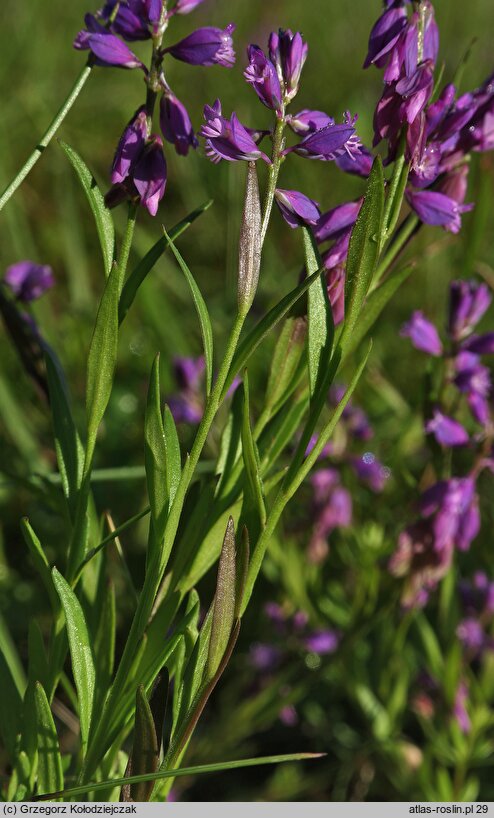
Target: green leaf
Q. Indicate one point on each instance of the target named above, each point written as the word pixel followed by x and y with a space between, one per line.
pixel 250 244
pixel 264 326
pixel 202 313
pixel 374 305
pixel 253 491
pixel 285 369
pixel 70 454
pixel 10 706
pixel 320 333
pixel 224 602
pixel 173 458
pixel 50 773
pixel 104 643
pixel 195 668
pixel 138 275
pixel 80 652
pixel 40 561
pixel 155 454
pixel 145 752
pixel 241 570
pixel 38 662
pixel 230 445
pixel 200 770
pixel 280 432
pixel 363 251
pixel 102 357
pixel 104 221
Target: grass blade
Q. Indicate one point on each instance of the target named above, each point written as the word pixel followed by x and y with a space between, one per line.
pixel 50 773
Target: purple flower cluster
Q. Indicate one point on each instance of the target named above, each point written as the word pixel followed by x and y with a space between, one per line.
pixel 449 510
pixel 27 280
pixel 139 170
pixel 438 135
pixel 332 502
pixel 477 597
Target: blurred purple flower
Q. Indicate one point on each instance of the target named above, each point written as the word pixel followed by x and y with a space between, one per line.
pixel 423 334
pixel 480 344
pixel 460 713
pixel 446 430
pixel 472 635
pixel 185 6
pixel 371 471
pixel 261 74
pixel 175 124
pixel 468 303
pixel 322 642
pixel 264 657
pixel 28 280
pixel 227 138
pixel 437 209
pixel 206 46
pixel 187 405
pixel 296 208
pixel 288 716
pixel 474 380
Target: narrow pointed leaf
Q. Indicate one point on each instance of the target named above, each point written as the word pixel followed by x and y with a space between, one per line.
pixel 320 333
pixel 155 454
pixel 242 567
pixel 50 774
pixel 285 369
pixel 103 218
pixel 231 442
pixel 363 251
pixel 80 652
pixel 40 561
pixel 70 454
pixel 38 661
pixel 138 275
pixel 195 668
pixel 104 644
pixel 264 326
pixel 224 602
pixel 374 305
pixel 184 771
pixel 249 257
pixel 202 313
pixel 145 750
pixel 253 493
pixel 173 458
pixel 10 707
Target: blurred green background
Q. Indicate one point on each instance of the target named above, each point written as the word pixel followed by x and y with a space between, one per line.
pixel 48 221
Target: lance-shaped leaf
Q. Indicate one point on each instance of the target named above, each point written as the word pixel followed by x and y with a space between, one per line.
pixel 249 256
pixel 104 644
pixel 320 333
pixel 224 602
pixel 102 357
pixel 253 490
pixel 374 305
pixel 38 668
pixel 70 454
pixel 173 459
pixel 363 251
pixel 155 455
pixel 195 668
pixel 264 326
pixel 40 561
pixel 138 275
pixel 145 750
pixel 102 215
pixel 202 313
pixel 80 652
pixel 50 773
pixel 241 570
pixel 286 369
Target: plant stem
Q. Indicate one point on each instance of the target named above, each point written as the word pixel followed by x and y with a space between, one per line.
pixel 274 170
pixel 47 136
pixel 402 237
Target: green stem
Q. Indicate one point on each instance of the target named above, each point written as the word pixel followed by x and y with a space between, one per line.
pixel 274 170
pixel 404 234
pixel 47 136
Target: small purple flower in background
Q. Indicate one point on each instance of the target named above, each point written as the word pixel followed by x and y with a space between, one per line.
pixel 261 74
pixel 296 208
pixel 227 138
pixel 28 280
pixel 468 301
pixel 322 642
pixel 175 124
pixel 264 657
pixel 369 470
pixel 460 712
pixel 477 598
pixel 206 46
pixel 288 715
pixel 446 430
pixel 187 405
pixel 423 334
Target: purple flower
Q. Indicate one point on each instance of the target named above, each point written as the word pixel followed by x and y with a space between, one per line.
pixel 264 657
pixel 334 223
pixel 175 124
pixel 358 164
pixel 206 46
pixel 480 344
pixel 335 280
pixel 474 380
pixel 28 280
pixel 446 430
pixel 187 405
pixel 437 209
pixel 423 334
pixel 149 175
pixel 296 208
pixel 109 50
pixel 130 147
pixel 371 471
pixel 288 53
pixel 261 74
pixel 329 142
pixel 385 35
pixel 227 138
pixel 472 635
pixel 186 6
pixel 468 301
pixel 288 716
pixel 308 121
pixel 333 509
pixel 460 713
pixel 415 92
pixel 322 642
